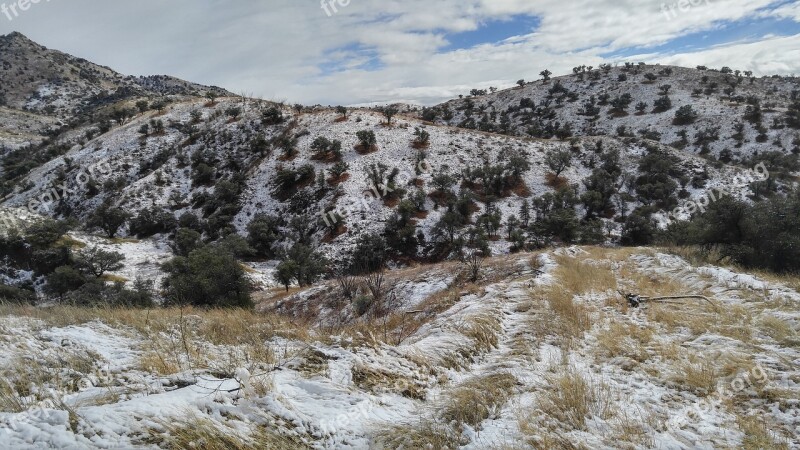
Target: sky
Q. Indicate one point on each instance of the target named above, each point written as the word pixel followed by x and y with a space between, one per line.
pixel 353 52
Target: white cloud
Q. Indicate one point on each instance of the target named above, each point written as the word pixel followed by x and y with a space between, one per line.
pixel 776 55
pixel 275 49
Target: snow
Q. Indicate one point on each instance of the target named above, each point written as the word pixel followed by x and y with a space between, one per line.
pixel 332 408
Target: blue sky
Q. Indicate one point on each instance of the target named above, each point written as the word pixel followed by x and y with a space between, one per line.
pixel 422 51
pixel 492 32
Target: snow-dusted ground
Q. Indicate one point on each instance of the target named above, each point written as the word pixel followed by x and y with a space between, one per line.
pixel 346 392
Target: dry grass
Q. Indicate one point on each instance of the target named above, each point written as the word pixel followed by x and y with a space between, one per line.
pixel 624 340
pixel 697 318
pixel 757 435
pixel 114 278
pixel 194 433
pixel 315 363
pixel 68 241
pixel 177 339
pixel 381 380
pixel 649 285
pixel 633 431
pixel 478 399
pixel 698 257
pixel 581 276
pixel 777 329
pixel 540 437
pixel 572 398
pixel 698 376
pixel 220 327
pixel 566 319
pixel 426 434
pixel 10 400
pixel 483 330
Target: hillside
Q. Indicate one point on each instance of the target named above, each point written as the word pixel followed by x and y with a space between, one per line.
pixel 47 95
pixel 593 102
pixel 540 352
pixel 159 149
pixel 137 172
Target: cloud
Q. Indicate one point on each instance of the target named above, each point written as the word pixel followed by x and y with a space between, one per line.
pixel 388 50
pixel 776 55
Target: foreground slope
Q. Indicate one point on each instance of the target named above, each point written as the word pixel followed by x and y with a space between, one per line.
pixel 541 351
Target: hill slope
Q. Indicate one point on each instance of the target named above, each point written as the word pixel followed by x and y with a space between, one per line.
pixel 583 105
pixel 544 358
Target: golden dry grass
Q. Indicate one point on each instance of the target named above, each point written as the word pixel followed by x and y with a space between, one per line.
pixel 571 398
pixel 649 285
pixel 582 276
pixel 565 319
pixel 194 432
pixel 478 399
pixel 175 339
pixel 380 380
pixel 777 329
pixel 698 376
pixel 626 340
pixel 757 435
pixel 632 432
pixel 425 434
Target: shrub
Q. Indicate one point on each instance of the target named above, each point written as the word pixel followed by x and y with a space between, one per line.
pixel 108 218
pixel 367 140
pixel 422 138
pixel 558 161
pixel 663 103
pixel 685 115
pixel 389 112
pixel 191 221
pixel 262 233
pixel 370 254
pixel 301 264
pixel 272 116
pixel 761 235
pixel 326 150
pixel 655 185
pixel 209 277
pixel 202 174
pixel 338 169
pixel 62 281
pixel 186 241
pixel 96 261
pixel 639 229
pixel 15 295
pixel 152 221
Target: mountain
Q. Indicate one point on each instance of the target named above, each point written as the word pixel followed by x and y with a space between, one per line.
pixel 458 174
pixel 480 274
pixel 46 91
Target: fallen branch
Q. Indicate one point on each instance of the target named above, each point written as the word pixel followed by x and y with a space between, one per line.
pixel 636 301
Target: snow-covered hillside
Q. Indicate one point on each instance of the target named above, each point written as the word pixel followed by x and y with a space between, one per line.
pixel 721 101
pixel 125 157
pixel 541 352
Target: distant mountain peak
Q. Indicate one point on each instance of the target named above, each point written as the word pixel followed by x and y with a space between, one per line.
pixel 17 37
